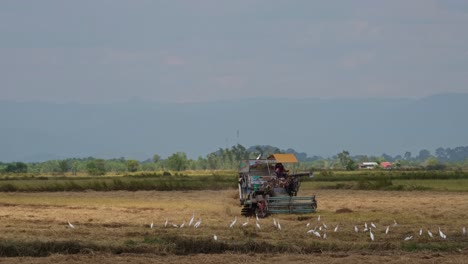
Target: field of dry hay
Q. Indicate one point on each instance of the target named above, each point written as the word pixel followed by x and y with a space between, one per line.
pixel 114 227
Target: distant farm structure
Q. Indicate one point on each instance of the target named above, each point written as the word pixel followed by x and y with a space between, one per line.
pixel 372 165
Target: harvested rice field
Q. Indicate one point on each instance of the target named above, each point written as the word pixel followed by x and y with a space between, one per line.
pixel 130 227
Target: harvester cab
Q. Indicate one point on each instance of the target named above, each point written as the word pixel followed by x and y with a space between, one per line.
pixel 265 187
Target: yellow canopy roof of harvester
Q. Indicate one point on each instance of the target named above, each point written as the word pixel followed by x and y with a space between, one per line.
pixel 284 158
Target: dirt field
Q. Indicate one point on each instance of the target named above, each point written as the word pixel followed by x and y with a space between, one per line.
pixel 106 219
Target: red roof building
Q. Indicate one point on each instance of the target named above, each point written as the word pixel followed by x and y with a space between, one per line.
pixel 385 164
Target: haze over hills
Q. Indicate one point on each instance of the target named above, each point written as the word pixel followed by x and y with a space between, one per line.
pixel 34 131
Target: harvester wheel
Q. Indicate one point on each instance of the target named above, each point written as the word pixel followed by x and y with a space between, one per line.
pixel 247 210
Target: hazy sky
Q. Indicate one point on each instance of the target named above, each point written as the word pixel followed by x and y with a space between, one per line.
pixel 204 50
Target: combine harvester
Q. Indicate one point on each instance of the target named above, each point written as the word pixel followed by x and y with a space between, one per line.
pixel 265 187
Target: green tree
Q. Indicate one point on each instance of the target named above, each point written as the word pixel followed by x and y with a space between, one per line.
pixel 132 165
pixel 96 167
pixel 351 165
pixel 344 158
pixel 177 161
pixel 64 166
pixel 433 164
pixel 156 158
pixel 17 167
pixel 407 155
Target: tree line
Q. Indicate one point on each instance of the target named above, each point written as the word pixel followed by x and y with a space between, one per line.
pixel 228 159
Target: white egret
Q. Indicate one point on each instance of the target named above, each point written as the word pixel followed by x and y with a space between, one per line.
pixel 408 238
pixel 258 225
pixel 441 234
pixel 191 219
pixel 325 235
pixel 430 233
pixel 198 223
pixel 152 224
pixel 182 225
pixel 324 225
pixel 233 222
pixel 336 229
pixel 373 225
pixel 308 224
pixel 165 223
pixel 464 231
pixel 356 229
pixel 317 234
pixel 174 225
pixel 371 234
pixel 318 218
pixel 274 222
pixel 365 227
pixel 388 229
pixel 420 231
pixel 279 225
pixel 395 223
pixel 246 222
pixel 256 216
pixel 310 231
pixel 215 237
pixel 70 224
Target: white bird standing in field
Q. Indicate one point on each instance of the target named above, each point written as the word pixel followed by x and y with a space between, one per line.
pixel 371 234
pixel 257 224
pixel 246 222
pixel 318 218
pixel 336 229
pixel 365 227
pixel 308 224
pixel 191 220
pixel 430 233
pixel 215 237
pixel 464 231
pixel 198 223
pixel 256 216
pixel 165 223
pixel 325 235
pixel 395 223
pixel 70 224
pixel 387 229
pixel 408 238
pixel 356 229
pixel 278 225
pixel 317 234
pixel 420 231
pixel 324 225
pixel 233 222
pixel 274 223
pixel 441 234
pixel 373 225
pixel 182 225
pixel 152 224
pixel 174 225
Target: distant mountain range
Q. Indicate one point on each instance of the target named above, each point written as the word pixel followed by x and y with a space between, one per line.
pixel 34 131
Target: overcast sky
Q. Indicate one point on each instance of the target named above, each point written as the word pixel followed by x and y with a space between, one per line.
pixel 204 50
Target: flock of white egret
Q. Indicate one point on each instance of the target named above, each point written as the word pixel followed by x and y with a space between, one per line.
pixel 320 229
